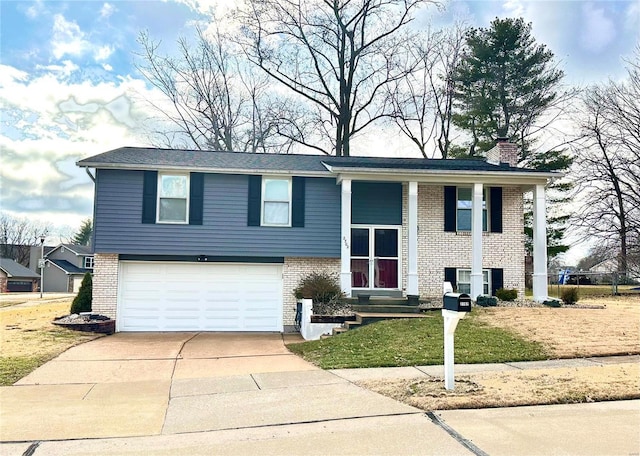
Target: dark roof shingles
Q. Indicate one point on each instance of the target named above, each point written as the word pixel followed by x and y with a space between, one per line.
pixel 249 162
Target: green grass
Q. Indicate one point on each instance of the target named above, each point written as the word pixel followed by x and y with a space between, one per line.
pixel 415 342
pixel 13 368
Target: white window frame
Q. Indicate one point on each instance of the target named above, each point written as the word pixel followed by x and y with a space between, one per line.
pixel 88 262
pixel 289 201
pixel 485 209
pixel 159 197
pixel 372 229
pixel 487 284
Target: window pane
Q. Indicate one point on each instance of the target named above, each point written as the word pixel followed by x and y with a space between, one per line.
pixel 386 243
pixel 386 273
pixel 485 276
pixel 359 242
pixel 173 210
pixel 464 219
pixel 464 275
pixel 464 288
pixel 485 289
pixel 360 273
pixel 173 186
pixel 464 198
pixel 276 190
pixel 276 213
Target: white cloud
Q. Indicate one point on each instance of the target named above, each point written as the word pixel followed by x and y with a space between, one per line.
pixel 107 10
pixel 598 30
pixel 102 52
pixel 67 38
pixel 107 67
pixel 65 69
pixel 35 9
pixel 50 125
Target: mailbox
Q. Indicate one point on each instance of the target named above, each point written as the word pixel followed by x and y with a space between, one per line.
pixel 457 302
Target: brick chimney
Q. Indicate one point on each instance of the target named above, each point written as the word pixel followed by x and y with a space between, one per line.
pixel 503 152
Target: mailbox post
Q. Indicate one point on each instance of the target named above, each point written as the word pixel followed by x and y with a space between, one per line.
pixel 455 307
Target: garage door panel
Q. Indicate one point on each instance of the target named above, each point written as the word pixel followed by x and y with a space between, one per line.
pixel 199 297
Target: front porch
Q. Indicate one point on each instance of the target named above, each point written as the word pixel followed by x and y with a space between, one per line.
pixel 412 256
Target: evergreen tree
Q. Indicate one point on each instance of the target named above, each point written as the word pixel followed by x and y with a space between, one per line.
pixel 82 301
pixel 503 85
pixel 83 236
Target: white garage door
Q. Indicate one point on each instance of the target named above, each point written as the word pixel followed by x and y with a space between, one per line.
pixel 154 296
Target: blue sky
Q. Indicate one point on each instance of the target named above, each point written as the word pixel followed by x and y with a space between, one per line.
pixel 69 88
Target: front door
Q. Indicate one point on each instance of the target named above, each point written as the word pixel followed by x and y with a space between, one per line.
pixel 374 257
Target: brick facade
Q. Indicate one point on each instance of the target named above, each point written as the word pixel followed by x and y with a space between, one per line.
pixel 294 270
pixel 105 284
pixel 438 249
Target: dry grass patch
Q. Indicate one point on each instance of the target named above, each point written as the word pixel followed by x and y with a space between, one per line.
pixel 515 388
pixel 569 332
pixel 29 339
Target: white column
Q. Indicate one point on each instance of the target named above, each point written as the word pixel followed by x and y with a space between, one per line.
pixel 345 251
pixel 476 241
pixel 412 247
pixel 539 244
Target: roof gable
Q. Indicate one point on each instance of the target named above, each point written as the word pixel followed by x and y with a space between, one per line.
pixel 78 250
pixel 13 269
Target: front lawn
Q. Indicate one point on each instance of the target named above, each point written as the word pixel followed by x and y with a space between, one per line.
pixel 416 342
pixel 29 339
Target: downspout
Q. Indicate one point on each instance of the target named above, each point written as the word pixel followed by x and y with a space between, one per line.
pixel 93 178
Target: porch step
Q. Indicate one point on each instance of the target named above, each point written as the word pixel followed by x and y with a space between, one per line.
pixel 384 308
pixel 365 318
pixel 382 301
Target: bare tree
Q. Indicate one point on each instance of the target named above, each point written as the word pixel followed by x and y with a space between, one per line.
pixel 339 56
pixel 423 101
pixel 609 157
pixel 215 100
pixel 17 235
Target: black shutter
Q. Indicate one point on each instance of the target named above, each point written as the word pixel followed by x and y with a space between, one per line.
pixel 255 200
pixel 496 280
pixel 149 196
pixel 297 201
pixel 450 202
pixel 196 198
pixel 495 206
pixel 450 276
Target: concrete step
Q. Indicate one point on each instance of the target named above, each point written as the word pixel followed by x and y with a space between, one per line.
pixel 337 331
pixel 365 318
pixel 383 301
pixel 385 308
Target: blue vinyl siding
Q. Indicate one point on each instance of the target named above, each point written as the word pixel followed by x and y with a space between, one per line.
pixel 224 232
pixel 376 203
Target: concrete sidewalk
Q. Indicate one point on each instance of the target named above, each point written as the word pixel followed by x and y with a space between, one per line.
pixel 204 393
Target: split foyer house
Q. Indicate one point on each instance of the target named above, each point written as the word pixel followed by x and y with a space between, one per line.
pixel 196 240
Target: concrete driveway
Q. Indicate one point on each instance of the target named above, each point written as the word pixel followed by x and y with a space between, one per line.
pixel 170 384
pixel 226 393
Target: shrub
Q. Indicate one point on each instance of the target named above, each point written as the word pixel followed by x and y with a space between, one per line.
pixel 322 287
pixel 570 295
pixel 485 301
pixel 82 302
pixel 507 294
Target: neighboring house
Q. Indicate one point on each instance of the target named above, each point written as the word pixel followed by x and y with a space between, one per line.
pixel 35 254
pixel 16 277
pixel 65 266
pixel 198 240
